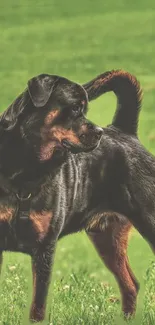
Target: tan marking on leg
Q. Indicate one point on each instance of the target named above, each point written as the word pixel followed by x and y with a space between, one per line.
pixel 41 222
pixel 101 221
pixel 36 314
pixel 111 244
pixel 6 214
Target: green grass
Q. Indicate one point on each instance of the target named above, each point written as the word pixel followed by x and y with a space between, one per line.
pixel 79 40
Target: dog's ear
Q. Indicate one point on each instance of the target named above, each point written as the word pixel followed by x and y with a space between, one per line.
pixel 9 118
pixel 40 89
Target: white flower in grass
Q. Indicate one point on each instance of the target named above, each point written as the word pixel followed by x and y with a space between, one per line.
pixel 66 287
pixel 12 267
pixel 16 278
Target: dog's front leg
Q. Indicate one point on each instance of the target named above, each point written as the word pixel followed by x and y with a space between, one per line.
pixel 42 259
pixel 1 261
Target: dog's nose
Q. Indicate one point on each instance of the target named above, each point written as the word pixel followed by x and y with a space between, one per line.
pixel 98 132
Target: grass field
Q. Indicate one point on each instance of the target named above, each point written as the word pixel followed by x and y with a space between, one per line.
pixel 79 40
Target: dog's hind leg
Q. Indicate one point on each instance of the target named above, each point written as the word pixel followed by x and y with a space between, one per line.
pixel 111 243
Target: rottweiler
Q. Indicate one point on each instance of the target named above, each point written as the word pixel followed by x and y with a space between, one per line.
pixel 60 174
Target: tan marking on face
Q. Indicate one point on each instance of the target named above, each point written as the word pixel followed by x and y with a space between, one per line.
pixel 6 214
pixel 61 133
pixel 84 128
pixel 51 116
pixel 41 222
pixel 46 151
pixel 51 139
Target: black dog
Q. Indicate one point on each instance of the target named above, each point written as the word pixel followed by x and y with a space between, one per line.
pixel 60 174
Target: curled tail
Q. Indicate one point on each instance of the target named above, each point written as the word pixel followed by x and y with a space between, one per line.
pixel 129 97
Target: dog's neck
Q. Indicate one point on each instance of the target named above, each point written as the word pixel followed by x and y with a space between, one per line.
pixel 25 171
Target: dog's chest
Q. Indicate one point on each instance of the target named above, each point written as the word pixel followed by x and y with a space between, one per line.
pixel 23 233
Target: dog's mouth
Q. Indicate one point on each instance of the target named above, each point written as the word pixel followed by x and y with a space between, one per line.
pixel 88 140
pixel 76 148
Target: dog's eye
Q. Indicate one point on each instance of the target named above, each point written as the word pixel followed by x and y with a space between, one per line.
pixel 76 110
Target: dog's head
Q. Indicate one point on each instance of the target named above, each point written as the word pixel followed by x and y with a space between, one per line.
pixel 50 116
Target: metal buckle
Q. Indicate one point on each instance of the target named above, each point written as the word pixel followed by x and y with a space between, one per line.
pixel 23 198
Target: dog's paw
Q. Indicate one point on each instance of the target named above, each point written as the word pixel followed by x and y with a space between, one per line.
pixel 37 314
